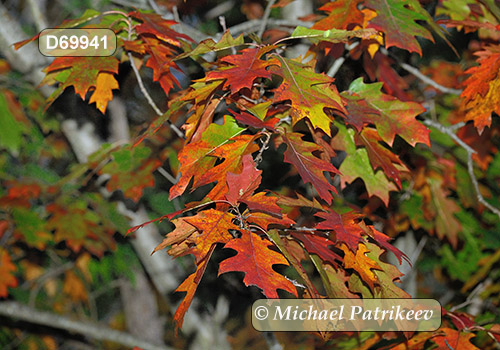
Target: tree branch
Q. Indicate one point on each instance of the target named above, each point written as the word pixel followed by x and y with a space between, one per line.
pixel 470 163
pixel 22 312
pixel 428 80
pixel 265 18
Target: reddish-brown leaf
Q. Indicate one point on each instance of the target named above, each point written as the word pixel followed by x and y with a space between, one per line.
pixel 189 286
pixel 397 20
pixel 251 120
pixel 345 227
pixel 394 117
pixel 156 25
pixel 244 68
pixel 316 244
pixel 241 186
pixel 341 15
pixel 256 260
pixel 380 156
pixel 196 159
pixel 383 241
pixel 264 220
pixel 263 203
pixel 310 168
pixel 7 278
pixel 176 238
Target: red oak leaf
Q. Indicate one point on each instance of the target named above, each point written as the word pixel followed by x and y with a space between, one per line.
pixel 256 260
pixel 341 14
pixel 310 168
pixel 244 69
pixel 318 245
pixel 213 227
pixel 345 228
pixel 264 220
pixel 84 74
pixel 310 93
pixel 7 279
pixel 241 186
pixel 394 117
pixel 480 96
pixel 380 156
pixel 397 20
pixel 263 203
pixel 362 264
pixel 189 286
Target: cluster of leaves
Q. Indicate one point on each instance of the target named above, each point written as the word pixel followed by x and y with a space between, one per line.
pixel 256 106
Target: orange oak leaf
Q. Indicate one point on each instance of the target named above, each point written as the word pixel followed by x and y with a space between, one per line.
pixel 131 171
pixel 232 153
pixel 480 97
pixel 345 227
pixel 189 286
pixel 213 227
pixel 244 68
pixel 310 93
pixel 310 168
pixel 105 84
pixel 482 75
pixel 78 227
pixel 241 186
pixel 256 260
pixel 82 73
pixel 341 15
pixel 316 244
pixel 161 61
pixel 196 158
pixel 7 279
pixel 263 203
pixel 454 339
pixel 176 238
pixel 362 264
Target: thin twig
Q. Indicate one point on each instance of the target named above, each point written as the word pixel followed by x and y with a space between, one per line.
pixel 22 312
pixel 143 88
pixel 470 163
pixel 255 24
pixel 38 16
pixel 265 18
pixel 167 175
pixel 340 61
pixel 428 80
pixel 155 7
pixel 469 299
